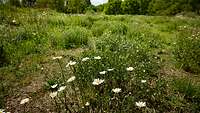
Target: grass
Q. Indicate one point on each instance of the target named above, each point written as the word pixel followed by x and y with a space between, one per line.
pixel 152 45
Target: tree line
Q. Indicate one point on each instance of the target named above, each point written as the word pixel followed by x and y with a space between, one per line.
pixel 114 7
pixel 151 7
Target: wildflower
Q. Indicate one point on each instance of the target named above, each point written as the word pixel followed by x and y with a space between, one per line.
pixel 71 79
pixel 71 63
pixel 97 81
pixel 140 104
pixel 117 90
pixel 34 34
pixel 97 58
pixel 13 21
pixel 54 86
pixel 53 94
pixel 2 111
pixel 102 73
pixel 111 69
pixel 59 57
pixel 130 69
pixel 87 104
pixel 85 59
pixel 24 101
pixel 144 71
pixel 143 81
pixel 61 88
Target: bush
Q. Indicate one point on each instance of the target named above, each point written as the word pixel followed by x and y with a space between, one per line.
pixel 76 37
pixel 113 8
pixel 187 50
pixel 130 7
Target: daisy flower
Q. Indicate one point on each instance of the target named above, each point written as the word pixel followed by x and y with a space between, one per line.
pixel 117 90
pixel 97 81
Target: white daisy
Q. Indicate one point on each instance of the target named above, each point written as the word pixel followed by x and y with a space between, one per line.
pixel 53 94
pixel 2 110
pixel 71 63
pixel 13 21
pixel 54 86
pixel 61 88
pixel 97 58
pixel 71 79
pixel 102 72
pixel 58 57
pixel 97 81
pixel 85 59
pixel 140 104
pixel 117 90
pixel 143 81
pixel 110 69
pixel 130 69
pixel 87 104
pixel 24 101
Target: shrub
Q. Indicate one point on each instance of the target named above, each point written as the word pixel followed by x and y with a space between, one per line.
pixel 130 7
pixel 187 50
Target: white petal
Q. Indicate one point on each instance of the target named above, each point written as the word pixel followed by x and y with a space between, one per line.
pixel 87 104
pixel 97 58
pixel 53 94
pixel 102 73
pixel 61 88
pixel 24 101
pixel 71 79
pixel 130 69
pixel 54 86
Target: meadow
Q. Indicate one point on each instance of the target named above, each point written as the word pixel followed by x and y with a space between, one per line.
pixel 93 63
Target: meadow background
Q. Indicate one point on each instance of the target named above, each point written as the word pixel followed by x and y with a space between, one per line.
pixel 97 59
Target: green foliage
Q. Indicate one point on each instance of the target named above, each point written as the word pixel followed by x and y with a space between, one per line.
pixel 76 37
pixel 100 8
pixel 113 8
pixel 166 7
pixel 130 7
pixel 114 27
pixel 187 50
pixel 119 57
pixel 190 91
pixel 29 38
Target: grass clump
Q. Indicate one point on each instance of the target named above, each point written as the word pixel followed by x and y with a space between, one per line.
pixel 187 50
pixel 115 27
pixel 190 91
pixel 76 37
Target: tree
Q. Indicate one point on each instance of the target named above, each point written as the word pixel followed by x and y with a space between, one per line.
pixel 113 7
pixel 130 7
pixel 144 4
pixel 76 6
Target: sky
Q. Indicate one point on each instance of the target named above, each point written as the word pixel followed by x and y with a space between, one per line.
pixel 98 2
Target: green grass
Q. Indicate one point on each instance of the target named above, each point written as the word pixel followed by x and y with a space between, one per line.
pixel 157 47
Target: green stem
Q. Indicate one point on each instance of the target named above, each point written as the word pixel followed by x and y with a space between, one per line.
pixel 62 72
